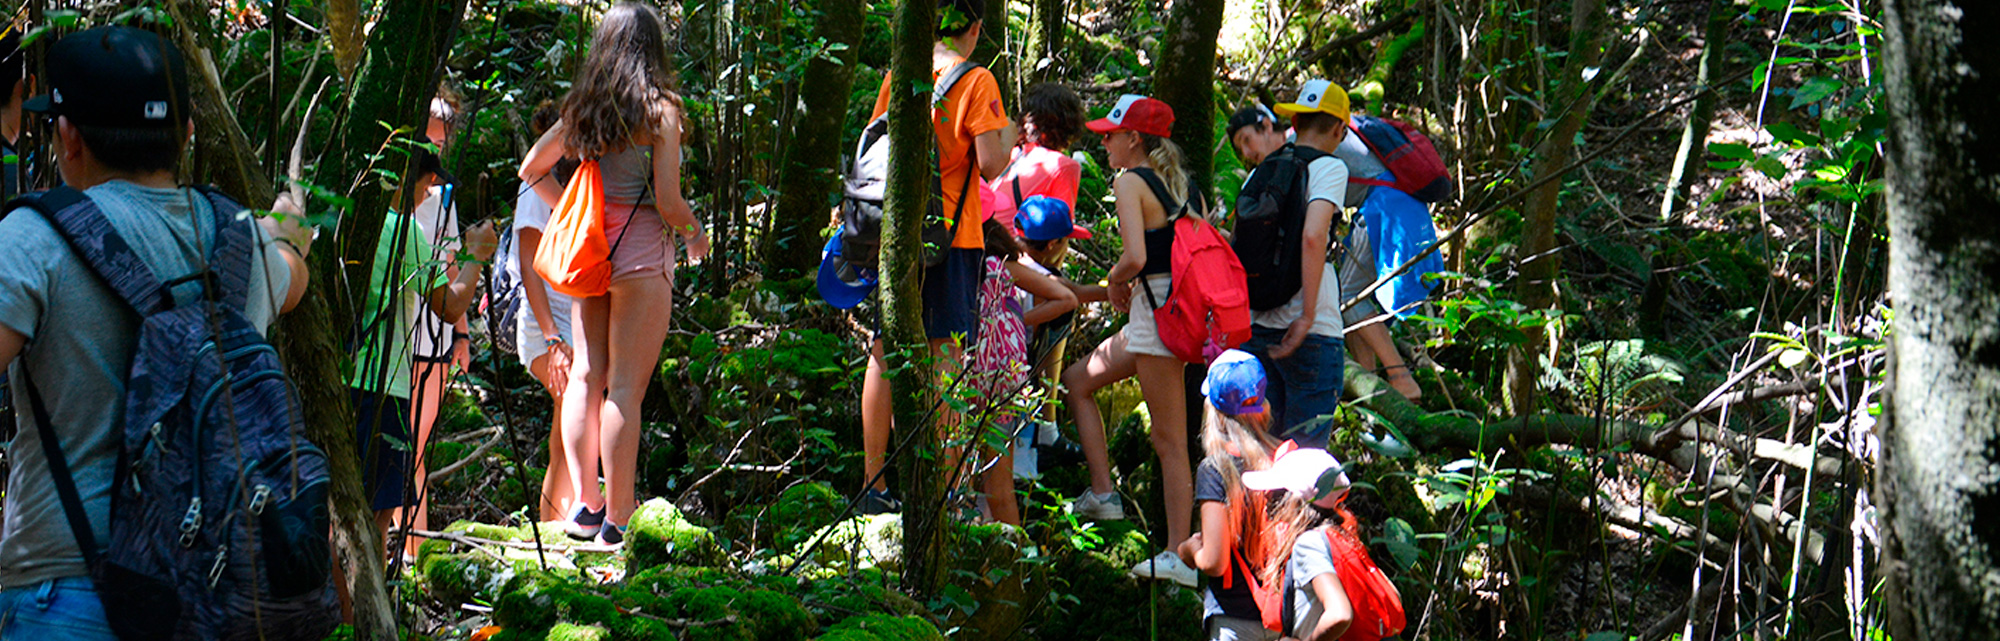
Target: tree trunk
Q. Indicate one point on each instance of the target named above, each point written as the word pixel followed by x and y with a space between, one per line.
pixel 995 49
pixel 1184 78
pixel 1536 285
pixel 1045 52
pixel 223 155
pixel 1694 135
pixel 394 84
pixel 911 168
pixel 1940 477
pixel 810 172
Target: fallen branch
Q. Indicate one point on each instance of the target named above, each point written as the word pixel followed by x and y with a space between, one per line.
pixel 1363 36
pixel 456 537
pixel 475 455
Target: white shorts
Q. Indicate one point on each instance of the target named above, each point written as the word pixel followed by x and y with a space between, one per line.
pixel 1142 332
pixel 528 333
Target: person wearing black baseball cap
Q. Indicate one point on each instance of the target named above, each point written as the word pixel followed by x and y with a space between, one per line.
pixel 120 103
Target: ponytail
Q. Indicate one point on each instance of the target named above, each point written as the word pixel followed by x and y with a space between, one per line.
pixel 1169 163
pixel 1245 437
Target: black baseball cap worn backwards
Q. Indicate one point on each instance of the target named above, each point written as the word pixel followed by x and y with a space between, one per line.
pixel 115 77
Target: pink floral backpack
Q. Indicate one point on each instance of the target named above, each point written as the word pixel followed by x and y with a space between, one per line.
pixel 1000 361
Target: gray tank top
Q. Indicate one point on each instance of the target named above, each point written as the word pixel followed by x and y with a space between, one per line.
pixel 627 174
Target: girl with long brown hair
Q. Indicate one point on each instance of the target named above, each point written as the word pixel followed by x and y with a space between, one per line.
pixel 621 111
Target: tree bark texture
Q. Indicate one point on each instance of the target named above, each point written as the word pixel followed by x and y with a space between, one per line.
pixel 394 85
pixel 995 49
pixel 810 171
pixel 911 170
pixel 1695 133
pixel 223 155
pixel 1535 286
pixel 1184 78
pixel 1044 62
pixel 1940 472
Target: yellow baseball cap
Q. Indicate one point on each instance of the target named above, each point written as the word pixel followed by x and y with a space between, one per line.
pixel 1317 96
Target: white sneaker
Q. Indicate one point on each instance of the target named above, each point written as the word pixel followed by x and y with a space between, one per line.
pixel 1098 507
pixel 1165 566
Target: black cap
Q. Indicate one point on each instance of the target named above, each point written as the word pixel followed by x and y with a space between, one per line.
pixel 115 77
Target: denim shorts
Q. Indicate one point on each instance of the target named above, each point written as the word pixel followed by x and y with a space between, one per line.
pixel 1302 387
pixel 66 608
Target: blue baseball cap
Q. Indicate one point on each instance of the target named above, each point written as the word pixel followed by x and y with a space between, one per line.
pixel 1043 218
pixel 841 283
pixel 1235 383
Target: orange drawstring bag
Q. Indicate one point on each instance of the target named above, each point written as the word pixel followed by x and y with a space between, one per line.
pixel 575 255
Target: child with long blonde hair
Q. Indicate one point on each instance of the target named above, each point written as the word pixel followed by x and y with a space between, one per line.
pixel 1307 512
pixel 1235 539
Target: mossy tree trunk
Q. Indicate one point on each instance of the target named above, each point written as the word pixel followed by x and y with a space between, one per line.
pixel 1184 78
pixel 810 172
pixel 1940 477
pixel 393 85
pixel 995 49
pixel 1044 61
pixel 911 170
pixel 1536 285
pixel 1695 132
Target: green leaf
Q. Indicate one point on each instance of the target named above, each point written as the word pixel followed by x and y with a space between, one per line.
pixel 1791 133
pixel 1772 5
pixel 1791 358
pixel 1771 166
pixel 1732 150
pixel 1814 90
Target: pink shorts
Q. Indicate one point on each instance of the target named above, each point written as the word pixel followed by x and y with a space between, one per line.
pixel 643 251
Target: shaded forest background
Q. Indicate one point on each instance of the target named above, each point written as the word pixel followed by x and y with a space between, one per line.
pixel 1653 373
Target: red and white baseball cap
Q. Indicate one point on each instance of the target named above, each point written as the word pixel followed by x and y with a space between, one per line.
pixel 1136 113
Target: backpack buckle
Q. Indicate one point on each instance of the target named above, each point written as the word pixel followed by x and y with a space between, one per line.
pixel 215 571
pixel 260 498
pixel 191 523
pixel 211 288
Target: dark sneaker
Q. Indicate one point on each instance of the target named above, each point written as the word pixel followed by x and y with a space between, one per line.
pixel 878 502
pixel 584 524
pixel 611 534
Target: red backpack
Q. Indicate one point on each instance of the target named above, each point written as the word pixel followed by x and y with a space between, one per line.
pixel 1208 303
pixel 1378 608
pixel 1408 154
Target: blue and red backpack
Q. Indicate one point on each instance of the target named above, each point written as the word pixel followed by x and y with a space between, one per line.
pixel 1408 155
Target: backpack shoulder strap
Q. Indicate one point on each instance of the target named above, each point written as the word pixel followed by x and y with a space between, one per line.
pixel 1174 208
pixel 91 236
pixel 235 242
pixel 72 502
pixel 950 79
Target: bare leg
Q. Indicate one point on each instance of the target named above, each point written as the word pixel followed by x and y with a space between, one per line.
pixel 590 320
pixel 877 418
pixel 431 381
pixel 1382 348
pixel 999 488
pixel 1160 379
pixel 639 324
pixel 556 493
pixel 1107 364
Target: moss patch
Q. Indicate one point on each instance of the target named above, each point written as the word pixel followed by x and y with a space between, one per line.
pixel 660 535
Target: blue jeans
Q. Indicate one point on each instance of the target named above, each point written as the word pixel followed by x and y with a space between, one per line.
pixel 1302 387
pixel 64 608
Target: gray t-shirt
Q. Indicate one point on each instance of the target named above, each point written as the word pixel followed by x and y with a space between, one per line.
pixel 1310 558
pixel 1360 164
pixel 81 339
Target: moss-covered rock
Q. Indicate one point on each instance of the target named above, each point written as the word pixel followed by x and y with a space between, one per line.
pixel 1097 600
pixel 802 510
pixel 835 598
pixel 1002 574
pixel 573 632
pixel 860 542
pixel 883 627
pixel 660 535
pixel 460 578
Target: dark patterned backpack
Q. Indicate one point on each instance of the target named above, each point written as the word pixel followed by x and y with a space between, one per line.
pixel 219 522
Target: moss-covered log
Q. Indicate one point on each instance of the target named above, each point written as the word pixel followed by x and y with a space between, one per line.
pixel 809 173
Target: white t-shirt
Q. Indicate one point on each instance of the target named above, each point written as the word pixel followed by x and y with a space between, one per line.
pixel 1327 181
pixel 432 337
pixel 531 212
pixel 1361 163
